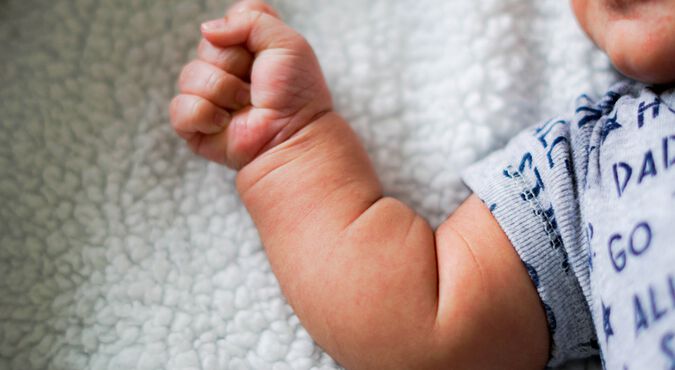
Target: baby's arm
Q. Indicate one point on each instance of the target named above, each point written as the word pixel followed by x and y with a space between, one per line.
pixel 371 281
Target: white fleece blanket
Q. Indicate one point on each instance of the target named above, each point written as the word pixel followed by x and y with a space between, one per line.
pixel 119 249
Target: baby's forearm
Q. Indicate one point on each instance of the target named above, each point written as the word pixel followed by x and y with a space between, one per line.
pixel 349 260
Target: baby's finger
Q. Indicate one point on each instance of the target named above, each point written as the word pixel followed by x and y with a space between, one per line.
pixel 212 147
pixel 252 5
pixel 212 83
pixel 257 30
pixel 192 114
pixel 234 59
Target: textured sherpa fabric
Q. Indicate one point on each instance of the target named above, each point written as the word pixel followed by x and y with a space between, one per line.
pixel 119 249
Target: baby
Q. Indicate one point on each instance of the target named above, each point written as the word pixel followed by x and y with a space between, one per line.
pixel 567 239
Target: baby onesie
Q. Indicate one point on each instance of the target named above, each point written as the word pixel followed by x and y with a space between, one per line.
pixel 588 202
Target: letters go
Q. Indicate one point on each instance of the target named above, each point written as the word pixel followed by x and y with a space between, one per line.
pixel 639 241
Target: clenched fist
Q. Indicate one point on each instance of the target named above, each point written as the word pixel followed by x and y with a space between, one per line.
pixel 254 84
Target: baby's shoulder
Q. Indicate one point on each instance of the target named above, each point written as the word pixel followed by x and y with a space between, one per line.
pixel 626 106
pixel 625 122
pixel 626 138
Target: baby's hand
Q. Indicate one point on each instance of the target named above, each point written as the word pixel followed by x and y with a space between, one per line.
pixel 223 117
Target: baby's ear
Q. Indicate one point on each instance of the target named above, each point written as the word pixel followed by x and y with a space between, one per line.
pixel 252 5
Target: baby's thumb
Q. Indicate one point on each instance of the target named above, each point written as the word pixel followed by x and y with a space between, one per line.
pixel 255 29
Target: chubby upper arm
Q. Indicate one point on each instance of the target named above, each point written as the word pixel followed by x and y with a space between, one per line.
pixel 405 297
pixel 489 313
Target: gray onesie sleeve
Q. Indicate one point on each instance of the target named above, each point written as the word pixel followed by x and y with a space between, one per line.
pixel 588 202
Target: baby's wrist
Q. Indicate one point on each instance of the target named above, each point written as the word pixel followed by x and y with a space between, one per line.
pixel 293 126
pixel 327 129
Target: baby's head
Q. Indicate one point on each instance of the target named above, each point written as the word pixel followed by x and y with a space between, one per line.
pixel 637 35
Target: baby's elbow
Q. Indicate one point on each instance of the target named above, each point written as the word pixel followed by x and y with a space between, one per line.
pixel 381 312
pixel 374 303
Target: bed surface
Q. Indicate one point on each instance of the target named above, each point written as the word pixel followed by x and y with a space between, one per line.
pixel 119 249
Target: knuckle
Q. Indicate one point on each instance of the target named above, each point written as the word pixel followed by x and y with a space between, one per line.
pixel 197 108
pixel 268 9
pixel 223 57
pixel 229 54
pixel 215 82
pixel 211 54
pixel 255 16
